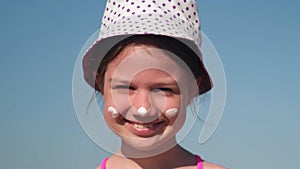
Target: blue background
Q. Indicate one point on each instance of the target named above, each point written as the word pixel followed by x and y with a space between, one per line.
pixel 258 42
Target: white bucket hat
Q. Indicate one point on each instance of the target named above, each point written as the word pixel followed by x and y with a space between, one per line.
pixel 123 18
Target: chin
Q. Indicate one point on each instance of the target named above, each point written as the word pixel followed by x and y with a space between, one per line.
pixel 138 147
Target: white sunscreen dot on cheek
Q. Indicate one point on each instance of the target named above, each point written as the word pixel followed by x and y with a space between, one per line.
pixel 113 111
pixel 142 111
pixel 171 112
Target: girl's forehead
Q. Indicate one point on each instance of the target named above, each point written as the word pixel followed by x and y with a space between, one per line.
pixel 141 53
pixel 134 59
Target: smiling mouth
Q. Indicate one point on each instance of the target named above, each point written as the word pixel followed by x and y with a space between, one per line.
pixel 150 126
pixel 145 129
pixel 142 126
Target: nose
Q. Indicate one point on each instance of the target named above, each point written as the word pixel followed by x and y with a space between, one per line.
pixel 141 101
pixel 141 98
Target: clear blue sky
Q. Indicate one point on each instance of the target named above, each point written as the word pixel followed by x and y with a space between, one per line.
pixel 258 42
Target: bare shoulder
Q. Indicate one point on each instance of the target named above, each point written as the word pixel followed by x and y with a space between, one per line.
pixel 97 167
pixel 208 165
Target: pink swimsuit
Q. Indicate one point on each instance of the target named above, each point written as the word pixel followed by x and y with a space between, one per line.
pixel 198 158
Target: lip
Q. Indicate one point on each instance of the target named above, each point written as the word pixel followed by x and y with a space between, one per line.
pixel 149 129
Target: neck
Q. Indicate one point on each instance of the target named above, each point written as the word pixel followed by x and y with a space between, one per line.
pixel 133 152
pixel 172 158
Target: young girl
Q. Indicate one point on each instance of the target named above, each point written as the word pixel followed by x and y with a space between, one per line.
pixel 148 67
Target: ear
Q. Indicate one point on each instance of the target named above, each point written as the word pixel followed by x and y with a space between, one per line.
pixel 97 80
pixel 198 81
pixel 194 89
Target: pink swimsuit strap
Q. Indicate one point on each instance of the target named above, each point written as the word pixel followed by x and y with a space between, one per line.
pixel 198 159
pixel 199 162
pixel 103 164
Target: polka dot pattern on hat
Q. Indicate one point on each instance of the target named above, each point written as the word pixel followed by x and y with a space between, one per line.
pixel 177 18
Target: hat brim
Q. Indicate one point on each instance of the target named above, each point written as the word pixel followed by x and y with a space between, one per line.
pixel 99 49
pixel 97 52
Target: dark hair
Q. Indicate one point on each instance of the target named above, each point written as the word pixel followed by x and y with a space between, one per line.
pixel 186 54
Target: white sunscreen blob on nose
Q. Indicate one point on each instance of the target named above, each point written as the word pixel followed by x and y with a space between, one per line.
pixel 171 112
pixel 142 111
pixel 113 111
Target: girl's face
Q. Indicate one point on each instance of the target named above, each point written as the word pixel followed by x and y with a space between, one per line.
pixel 143 76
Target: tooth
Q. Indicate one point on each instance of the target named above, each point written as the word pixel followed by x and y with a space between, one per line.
pixel 151 126
pixel 142 126
pixel 139 126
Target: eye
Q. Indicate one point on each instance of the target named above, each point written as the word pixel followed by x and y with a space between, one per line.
pixel 163 89
pixel 123 87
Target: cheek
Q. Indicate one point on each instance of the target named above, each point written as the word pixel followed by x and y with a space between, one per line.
pixel 119 101
pixel 180 102
pixel 176 120
pixel 108 101
pixel 174 102
pixel 173 108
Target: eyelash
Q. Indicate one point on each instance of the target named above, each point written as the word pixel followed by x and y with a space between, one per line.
pixel 124 87
pixel 121 87
pixel 164 89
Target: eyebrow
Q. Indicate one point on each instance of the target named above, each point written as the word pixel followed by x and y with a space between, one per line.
pixel 165 82
pixel 118 80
